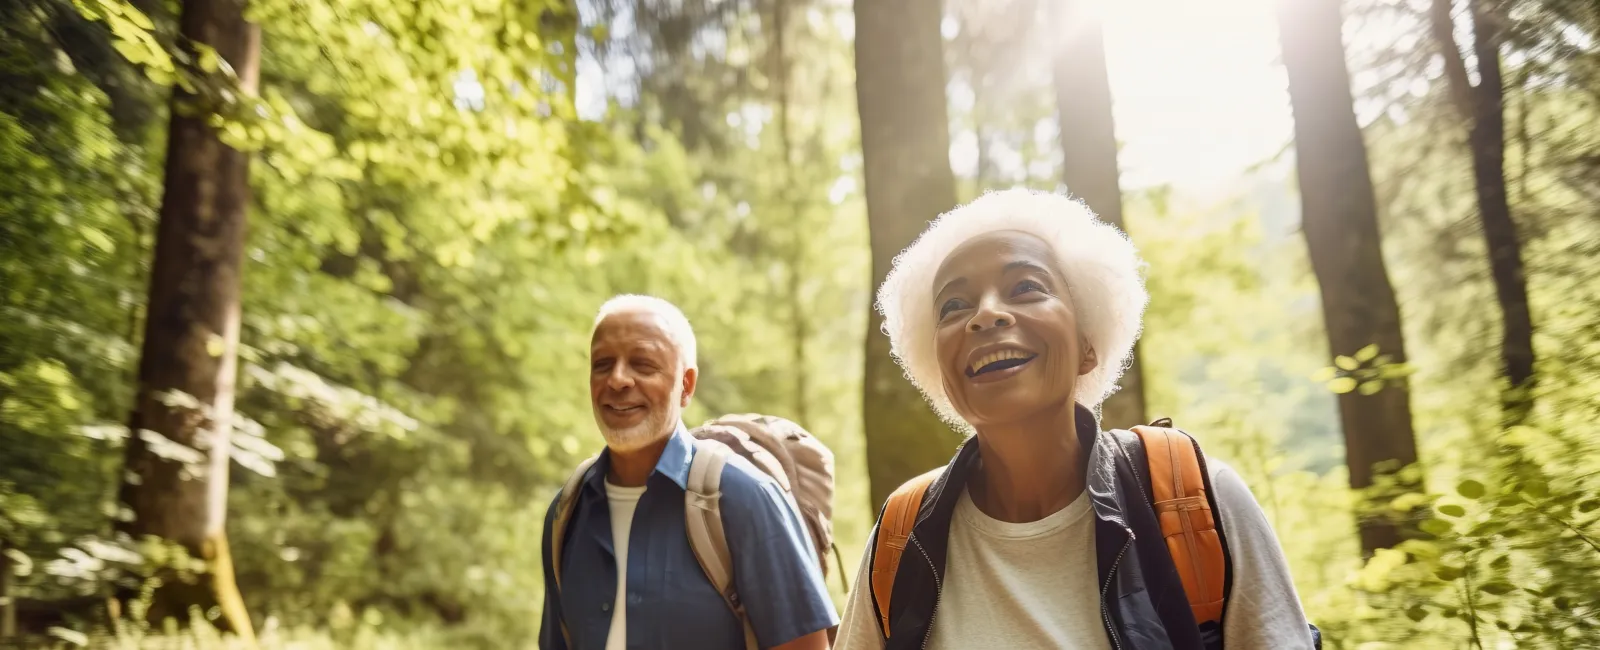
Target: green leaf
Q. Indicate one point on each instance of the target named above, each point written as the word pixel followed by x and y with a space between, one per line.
pixel 1421 549
pixel 1470 489
pixel 1367 353
pixel 1342 385
pixel 1501 562
pixel 1452 510
pixel 1536 489
pixel 138 18
pixel 1447 573
pixel 1496 587
pixel 21 564
pixel 1416 614
pixel 209 61
pixel 158 76
pixel 1409 501
pixel 1325 374
pixel 131 51
pixel 1346 363
pixel 1589 506
pixel 98 239
pixel 1371 387
pixel 1436 527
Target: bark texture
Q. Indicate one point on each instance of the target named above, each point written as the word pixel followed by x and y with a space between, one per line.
pixel 1482 106
pixel 178 455
pixel 905 141
pixel 1340 222
pixel 1089 160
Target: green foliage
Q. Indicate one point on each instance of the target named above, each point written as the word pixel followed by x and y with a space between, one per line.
pixel 71 252
pixel 1367 371
pixel 434 225
pixel 1507 559
pixel 432 231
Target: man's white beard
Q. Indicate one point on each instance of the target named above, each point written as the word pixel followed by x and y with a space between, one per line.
pixel 651 429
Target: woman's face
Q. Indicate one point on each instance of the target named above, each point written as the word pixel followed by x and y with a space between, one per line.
pixel 1007 338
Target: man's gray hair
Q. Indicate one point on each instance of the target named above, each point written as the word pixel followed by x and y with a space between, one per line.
pixel 1102 270
pixel 677 325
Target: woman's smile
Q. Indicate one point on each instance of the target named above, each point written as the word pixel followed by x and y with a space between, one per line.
pixel 992 363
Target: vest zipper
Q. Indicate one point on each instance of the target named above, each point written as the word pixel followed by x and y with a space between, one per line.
pixel 938 588
pixel 1105 611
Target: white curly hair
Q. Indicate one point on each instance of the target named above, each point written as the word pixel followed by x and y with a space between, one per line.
pixel 1102 268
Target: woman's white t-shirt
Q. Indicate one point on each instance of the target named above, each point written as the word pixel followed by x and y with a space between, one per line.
pixel 1027 585
pixel 1032 585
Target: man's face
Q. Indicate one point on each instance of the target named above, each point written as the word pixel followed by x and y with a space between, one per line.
pixel 1007 338
pixel 636 385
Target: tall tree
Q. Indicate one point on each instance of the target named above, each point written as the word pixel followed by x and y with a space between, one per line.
pixel 179 450
pixel 1089 156
pixel 1340 221
pixel 1482 106
pixel 8 607
pixel 780 72
pixel 905 142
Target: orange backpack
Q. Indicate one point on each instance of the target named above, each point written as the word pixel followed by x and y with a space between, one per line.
pixel 1179 498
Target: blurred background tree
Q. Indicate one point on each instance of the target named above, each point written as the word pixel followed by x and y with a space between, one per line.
pixel 442 192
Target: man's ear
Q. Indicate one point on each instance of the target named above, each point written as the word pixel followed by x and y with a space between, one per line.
pixel 1089 361
pixel 691 377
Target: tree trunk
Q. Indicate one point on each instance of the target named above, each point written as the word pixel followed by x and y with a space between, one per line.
pixel 192 332
pixel 1089 159
pixel 8 605
pixel 1339 218
pixel 1483 106
pixel 905 141
pixel 800 326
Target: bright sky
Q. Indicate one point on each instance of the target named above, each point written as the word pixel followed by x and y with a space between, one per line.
pixel 1198 95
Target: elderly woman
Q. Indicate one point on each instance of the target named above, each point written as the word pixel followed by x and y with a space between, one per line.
pixel 1015 315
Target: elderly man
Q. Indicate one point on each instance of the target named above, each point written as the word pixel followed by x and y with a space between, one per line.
pixel 629 578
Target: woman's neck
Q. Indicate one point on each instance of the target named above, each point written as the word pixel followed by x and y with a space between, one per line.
pixel 1030 469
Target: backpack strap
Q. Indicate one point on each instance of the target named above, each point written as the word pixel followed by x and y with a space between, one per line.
pixel 707 537
pixel 1178 483
pixel 565 505
pixel 894 531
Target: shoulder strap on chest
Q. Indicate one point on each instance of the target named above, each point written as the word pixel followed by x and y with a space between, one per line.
pixel 894 530
pixel 707 537
pixel 1179 486
pixel 566 503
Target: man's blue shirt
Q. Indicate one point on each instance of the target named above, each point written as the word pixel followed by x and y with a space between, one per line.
pixel 671 603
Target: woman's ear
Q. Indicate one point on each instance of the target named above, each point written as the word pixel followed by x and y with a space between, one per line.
pixel 1089 360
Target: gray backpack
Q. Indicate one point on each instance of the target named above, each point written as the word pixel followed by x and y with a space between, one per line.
pixel 800 463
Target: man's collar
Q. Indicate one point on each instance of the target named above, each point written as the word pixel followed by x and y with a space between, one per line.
pixel 677 456
pixel 673 464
